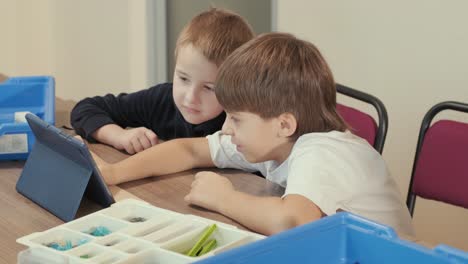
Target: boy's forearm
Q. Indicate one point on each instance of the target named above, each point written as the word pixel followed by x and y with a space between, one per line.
pixel 107 134
pixel 169 157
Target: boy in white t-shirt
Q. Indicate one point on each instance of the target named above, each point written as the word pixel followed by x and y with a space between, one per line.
pixel 280 99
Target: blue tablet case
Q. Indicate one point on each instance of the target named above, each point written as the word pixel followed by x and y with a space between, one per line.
pixel 59 171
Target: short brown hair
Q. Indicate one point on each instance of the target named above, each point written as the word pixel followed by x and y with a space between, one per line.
pixel 216 33
pixel 277 73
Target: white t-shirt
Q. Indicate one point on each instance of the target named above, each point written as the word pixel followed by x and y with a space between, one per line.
pixel 335 170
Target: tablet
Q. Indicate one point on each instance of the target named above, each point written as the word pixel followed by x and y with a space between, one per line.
pixel 60 171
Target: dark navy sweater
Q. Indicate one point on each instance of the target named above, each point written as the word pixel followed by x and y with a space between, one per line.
pixel 153 108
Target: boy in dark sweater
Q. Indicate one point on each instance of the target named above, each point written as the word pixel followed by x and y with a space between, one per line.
pixel 185 108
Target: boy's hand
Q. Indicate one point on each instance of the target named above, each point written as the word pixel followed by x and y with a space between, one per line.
pixel 208 190
pixel 135 140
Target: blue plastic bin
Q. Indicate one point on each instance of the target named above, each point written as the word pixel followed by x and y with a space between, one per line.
pixel 341 238
pixel 35 94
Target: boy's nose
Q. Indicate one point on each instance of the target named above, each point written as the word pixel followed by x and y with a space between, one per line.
pixel 191 96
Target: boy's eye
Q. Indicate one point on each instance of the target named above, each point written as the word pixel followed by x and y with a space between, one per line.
pixel 233 119
pixel 184 79
pixel 209 88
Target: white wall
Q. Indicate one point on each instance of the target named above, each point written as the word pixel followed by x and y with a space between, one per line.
pixel 91 47
pixel 411 55
pixel 24 33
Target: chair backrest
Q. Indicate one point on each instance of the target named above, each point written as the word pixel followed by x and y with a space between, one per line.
pixel 440 168
pixel 3 77
pixel 363 124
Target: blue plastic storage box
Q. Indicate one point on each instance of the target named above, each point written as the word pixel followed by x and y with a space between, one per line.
pixel 35 94
pixel 341 238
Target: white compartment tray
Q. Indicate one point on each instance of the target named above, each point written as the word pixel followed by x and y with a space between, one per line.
pixel 139 233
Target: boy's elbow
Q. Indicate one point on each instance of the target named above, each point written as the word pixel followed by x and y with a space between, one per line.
pixel 295 210
pixel 292 218
pixel 281 224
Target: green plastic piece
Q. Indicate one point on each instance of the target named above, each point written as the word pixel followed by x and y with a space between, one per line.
pixel 205 235
pixel 211 244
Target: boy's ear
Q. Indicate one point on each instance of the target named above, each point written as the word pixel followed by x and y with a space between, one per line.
pixel 287 125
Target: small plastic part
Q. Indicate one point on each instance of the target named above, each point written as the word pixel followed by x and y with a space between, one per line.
pixel 211 244
pixel 205 235
pixel 136 219
pixel 99 231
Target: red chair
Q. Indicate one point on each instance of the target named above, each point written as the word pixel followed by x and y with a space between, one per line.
pixel 362 124
pixel 440 168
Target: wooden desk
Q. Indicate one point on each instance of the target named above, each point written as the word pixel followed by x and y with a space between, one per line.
pixel 20 216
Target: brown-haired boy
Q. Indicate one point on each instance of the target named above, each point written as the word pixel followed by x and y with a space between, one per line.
pixel 280 99
pixel 185 108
